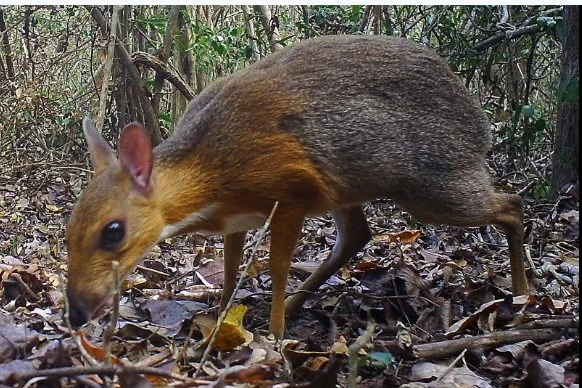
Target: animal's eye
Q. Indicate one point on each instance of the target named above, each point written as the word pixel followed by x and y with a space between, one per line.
pixel 112 235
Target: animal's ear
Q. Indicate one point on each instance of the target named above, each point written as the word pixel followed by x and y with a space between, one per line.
pixel 102 155
pixel 136 155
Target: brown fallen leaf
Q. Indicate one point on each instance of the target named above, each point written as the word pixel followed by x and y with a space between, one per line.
pixel 405 237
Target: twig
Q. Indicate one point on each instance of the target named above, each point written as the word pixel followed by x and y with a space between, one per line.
pixel 450 367
pixel 239 284
pixel 18 279
pixel 112 325
pixel 155 359
pixel 110 370
pixel 537 272
pixel 151 270
pixel 108 65
pixel 163 71
pixel 557 322
pixel 353 352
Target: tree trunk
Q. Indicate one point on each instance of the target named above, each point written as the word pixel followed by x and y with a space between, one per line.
pixel 365 19
pixel 565 162
pixel 377 19
pixel 164 53
pixel 184 63
pixel 250 27
pixel 269 25
pixel 6 48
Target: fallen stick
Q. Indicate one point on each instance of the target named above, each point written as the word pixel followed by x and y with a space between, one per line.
pixel 110 370
pixel 450 348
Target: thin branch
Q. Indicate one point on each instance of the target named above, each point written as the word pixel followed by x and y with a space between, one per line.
pixel 509 34
pixel 445 349
pixel 110 370
pixel 354 351
pixel 112 325
pixel 108 65
pixel 450 367
pixel 163 70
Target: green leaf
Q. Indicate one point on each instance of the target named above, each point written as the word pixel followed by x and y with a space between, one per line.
pixel 385 358
pixel 156 22
pixel 541 190
pixel 165 117
pixel 528 111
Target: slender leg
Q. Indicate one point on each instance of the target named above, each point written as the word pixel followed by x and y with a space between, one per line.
pixel 473 206
pixel 233 249
pixel 352 234
pixel 285 231
pixel 510 218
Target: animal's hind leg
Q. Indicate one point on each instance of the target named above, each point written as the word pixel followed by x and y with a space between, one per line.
pixel 463 201
pixel 352 234
pixel 508 213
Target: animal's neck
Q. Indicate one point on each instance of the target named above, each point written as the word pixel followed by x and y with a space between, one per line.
pixel 183 192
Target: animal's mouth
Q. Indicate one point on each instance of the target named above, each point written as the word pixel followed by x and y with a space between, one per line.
pixel 83 308
pixel 103 307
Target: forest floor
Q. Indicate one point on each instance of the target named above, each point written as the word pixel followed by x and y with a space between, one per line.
pixel 420 306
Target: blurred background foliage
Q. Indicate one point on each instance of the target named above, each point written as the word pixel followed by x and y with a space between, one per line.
pixel 53 67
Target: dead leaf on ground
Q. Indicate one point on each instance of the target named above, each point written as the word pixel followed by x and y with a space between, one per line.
pixel 405 237
pixel 455 377
pixel 231 334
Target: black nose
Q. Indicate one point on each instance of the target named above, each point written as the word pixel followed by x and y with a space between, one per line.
pixel 77 313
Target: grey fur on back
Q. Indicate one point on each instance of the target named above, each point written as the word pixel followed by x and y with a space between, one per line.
pixel 383 116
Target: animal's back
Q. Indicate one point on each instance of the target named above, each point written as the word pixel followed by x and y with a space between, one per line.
pixel 378 115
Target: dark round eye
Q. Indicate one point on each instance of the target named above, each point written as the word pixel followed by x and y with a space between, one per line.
pixel 112 235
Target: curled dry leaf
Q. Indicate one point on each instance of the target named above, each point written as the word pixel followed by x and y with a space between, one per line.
pixel 231 333
pixel 405 237
pixel 95 351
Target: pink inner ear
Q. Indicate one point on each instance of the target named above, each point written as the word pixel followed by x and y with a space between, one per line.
pixel 136 154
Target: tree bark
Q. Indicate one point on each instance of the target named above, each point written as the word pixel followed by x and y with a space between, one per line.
pixel 107 68
pixel 164 54
pixel 377 19
pixel 6 48
pixel 566 158
pixel 365 19
pixel 184 62
pixel 255 55
pixel 271 28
